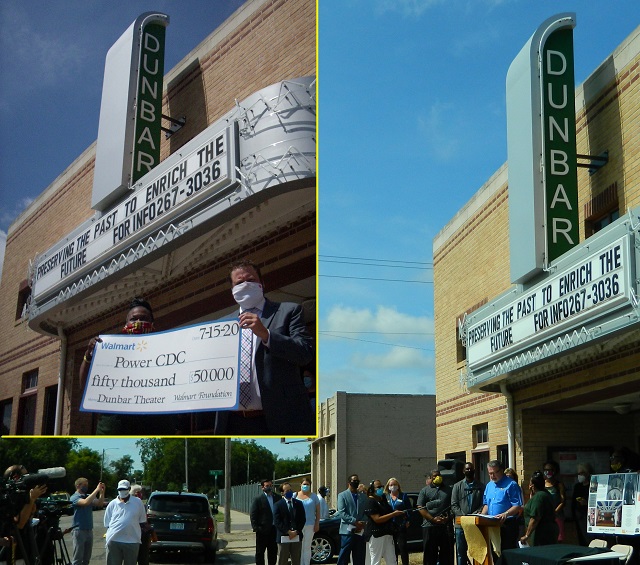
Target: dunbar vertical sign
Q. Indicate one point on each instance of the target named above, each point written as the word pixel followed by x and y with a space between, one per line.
pixel 148 108
pixel 541 142
pixel 559 140
pixel 128 145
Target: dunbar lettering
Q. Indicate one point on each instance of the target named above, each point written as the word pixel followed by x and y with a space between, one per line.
pixel 146 153
pixel 559 139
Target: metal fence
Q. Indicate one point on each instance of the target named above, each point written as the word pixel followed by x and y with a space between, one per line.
pixel 241 496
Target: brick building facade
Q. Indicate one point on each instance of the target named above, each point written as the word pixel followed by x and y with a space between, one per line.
pixel 576 404
pixel 263 43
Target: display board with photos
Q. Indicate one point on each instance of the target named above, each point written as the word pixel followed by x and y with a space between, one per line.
pixel 614 504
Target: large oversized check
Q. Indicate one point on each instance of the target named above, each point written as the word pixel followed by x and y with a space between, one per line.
pixel 184 370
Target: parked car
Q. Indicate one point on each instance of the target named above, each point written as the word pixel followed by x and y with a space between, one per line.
pixel 326 541
pixel 183 521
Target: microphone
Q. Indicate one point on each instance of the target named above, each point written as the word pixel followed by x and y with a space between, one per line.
pixel 53 472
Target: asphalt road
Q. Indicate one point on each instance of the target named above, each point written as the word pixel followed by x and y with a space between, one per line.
pixel 237 547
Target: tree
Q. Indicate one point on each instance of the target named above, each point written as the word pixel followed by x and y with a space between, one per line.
pixel 39 453
pixel 164 462
pixel 292 467
pixel 251 462
pixel 86 463
pixel 123 467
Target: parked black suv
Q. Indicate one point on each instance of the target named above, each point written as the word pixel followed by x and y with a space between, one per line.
pixel 183 521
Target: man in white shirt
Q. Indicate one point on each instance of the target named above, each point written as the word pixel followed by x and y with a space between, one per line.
pixel 124 518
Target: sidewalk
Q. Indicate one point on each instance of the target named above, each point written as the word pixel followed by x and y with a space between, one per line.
pixel 241 539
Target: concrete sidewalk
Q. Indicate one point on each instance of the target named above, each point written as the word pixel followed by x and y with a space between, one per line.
pixel 241 539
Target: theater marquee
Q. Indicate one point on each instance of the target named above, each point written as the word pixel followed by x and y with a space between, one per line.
pixel 591 293
pixel 175 187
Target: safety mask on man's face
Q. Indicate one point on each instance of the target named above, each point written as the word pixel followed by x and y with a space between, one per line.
pixel 248 294
pixel 437 481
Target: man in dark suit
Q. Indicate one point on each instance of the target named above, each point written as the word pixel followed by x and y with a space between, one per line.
pixel 273 399
pixel 351 506
pixel 289 518
pixel 261 515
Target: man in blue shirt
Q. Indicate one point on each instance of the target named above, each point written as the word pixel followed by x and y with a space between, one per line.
pixel 503 500
pixel 82 524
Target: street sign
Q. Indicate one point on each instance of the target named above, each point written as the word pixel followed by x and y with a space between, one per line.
pixel 216 473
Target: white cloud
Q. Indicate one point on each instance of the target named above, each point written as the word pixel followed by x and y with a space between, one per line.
pixel 396 358
pixel 40 53
pixel 409 8
pixel 438 128
pixel 385 321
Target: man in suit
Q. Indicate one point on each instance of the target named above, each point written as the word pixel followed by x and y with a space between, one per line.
pixel 262 523
pixel 351 506
pixel 289 518
pixel 273 399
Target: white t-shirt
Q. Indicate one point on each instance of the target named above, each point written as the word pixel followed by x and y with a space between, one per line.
pixel 123 519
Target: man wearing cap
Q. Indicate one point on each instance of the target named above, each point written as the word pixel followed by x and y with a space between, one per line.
pixel 124 519
pixel 82 502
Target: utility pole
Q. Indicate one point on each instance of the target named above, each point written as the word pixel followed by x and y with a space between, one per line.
pixel 227 485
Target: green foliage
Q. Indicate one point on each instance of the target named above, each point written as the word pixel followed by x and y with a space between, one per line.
pixel 251 462
pixel 292 467
pixel 38 453
pixel 85 462
pixel 164 462
pixel 123 468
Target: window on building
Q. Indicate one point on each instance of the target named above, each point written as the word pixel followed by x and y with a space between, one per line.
pixel 27 415
pixel 601 210
pixel 6 409
pixel 481 435
pixel 480 460
pixel 24 293
pixel 461 350
pixel 503 455
pixel 604 221
pixel 459 455
pixel 30 381
pixel 49 416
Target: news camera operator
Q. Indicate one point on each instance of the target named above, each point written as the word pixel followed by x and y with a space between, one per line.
pixel 21 507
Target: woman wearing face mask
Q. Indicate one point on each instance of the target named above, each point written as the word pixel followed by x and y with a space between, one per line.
pixel 311 505
pixel 579 501
pixel 539 515
pixel 398 500
pixel 380 526
pixel 139 321
pixel 556 489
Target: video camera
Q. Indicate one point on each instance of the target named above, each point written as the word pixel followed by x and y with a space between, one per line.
pixel 14 493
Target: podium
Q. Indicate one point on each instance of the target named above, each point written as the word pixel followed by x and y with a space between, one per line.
pixel 486 526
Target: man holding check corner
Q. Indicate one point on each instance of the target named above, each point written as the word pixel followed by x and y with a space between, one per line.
pixel 275 345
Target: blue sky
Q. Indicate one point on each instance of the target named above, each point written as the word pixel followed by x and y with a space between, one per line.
pixel 411 124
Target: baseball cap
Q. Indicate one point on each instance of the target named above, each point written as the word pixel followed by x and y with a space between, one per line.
pixel 124 485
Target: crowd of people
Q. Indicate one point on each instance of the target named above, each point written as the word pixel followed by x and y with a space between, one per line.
pixel 374 517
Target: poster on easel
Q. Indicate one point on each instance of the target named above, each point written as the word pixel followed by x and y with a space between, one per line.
pixel 614 504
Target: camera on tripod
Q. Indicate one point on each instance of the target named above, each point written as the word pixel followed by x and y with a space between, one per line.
pixel 14 496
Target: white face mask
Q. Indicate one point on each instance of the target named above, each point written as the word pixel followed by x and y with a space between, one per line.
pixel 248 294
pixel 393 488
pixel 582 478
